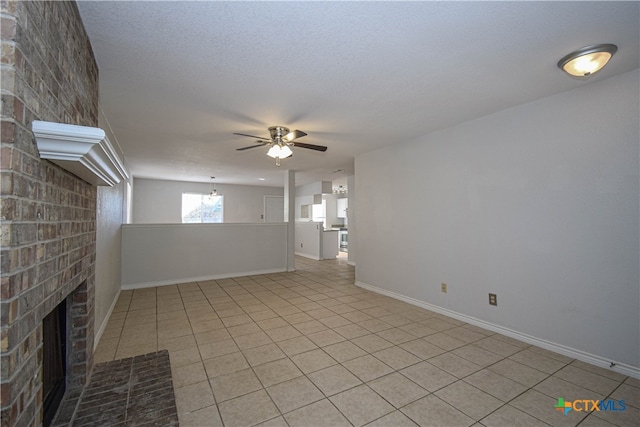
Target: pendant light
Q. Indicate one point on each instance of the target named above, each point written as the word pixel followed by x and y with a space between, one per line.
pixel 212 189
pixel 588 60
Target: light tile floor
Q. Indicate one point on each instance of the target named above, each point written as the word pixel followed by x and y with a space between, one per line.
pixel 309 348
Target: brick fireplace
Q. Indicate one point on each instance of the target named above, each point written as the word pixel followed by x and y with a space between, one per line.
pixel 48 230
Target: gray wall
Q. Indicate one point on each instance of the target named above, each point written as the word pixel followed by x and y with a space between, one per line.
pixel 160 202
pixel 538 203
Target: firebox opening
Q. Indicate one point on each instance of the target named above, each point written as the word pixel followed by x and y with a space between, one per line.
pixel 54 361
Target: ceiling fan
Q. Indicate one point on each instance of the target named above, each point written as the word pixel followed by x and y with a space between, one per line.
pixel 280 141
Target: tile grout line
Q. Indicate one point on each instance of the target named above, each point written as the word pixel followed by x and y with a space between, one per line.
pixel 215 401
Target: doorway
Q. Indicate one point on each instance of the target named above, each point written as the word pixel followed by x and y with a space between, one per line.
pixel 273 208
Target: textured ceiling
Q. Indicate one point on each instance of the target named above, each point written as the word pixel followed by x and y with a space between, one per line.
pixel 178 78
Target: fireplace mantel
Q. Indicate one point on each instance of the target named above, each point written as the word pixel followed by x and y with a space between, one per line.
pixel 82 150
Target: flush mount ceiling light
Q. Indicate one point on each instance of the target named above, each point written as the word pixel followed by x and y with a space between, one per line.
pixel 588 60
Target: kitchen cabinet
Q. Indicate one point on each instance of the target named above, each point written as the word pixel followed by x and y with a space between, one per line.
pixel 342 205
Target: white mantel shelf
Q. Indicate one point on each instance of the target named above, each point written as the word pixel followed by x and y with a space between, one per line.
pixel 82 150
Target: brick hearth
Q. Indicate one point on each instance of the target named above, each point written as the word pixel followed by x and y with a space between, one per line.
pixel 132 391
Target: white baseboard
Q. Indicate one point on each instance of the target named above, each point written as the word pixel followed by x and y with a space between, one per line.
pixel 317 258
pixel 102 327
pixel 130 286
pixel 623 368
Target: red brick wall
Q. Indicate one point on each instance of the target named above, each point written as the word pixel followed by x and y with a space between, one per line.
pixel 48 215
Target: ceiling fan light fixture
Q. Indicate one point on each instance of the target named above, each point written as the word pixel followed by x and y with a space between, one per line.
pixel 279 151
pixel 280 141
pixel 588 60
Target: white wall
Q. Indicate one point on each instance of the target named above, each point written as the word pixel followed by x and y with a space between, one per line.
pixel 161 254
pixel 160 202
pixel 538 203
pixel 309 239
pixel 299 201
pixel 313 242
pixel 351 220
pixel 109 218
pixel 332 210
pixel 111 212
pixel 305 196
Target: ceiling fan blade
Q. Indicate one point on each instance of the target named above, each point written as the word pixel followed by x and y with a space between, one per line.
pixel 252 136
pixel 310 146
pixel 294 134
pixel 251 146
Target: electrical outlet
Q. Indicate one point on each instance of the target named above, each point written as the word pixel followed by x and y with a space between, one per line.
pixel 493 299
pixel 443 287
pixel 301 245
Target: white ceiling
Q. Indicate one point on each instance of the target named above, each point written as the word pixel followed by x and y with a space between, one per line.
pixel 178 78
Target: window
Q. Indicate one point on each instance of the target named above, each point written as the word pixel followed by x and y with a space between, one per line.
pixel 198 208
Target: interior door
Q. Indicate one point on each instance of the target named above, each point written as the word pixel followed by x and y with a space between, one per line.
pixel 273 209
